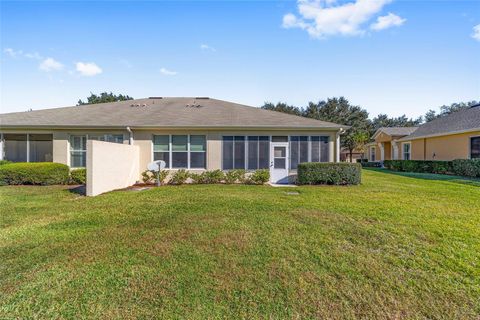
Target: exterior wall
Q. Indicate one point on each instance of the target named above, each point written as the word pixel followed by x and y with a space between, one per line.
pixel 143 138
pixel 388 151
pixel 450 147
pixel 111 166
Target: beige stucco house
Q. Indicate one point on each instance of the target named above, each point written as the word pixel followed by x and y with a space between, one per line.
pixel 187 133
pixel 455 136
pixel 386 145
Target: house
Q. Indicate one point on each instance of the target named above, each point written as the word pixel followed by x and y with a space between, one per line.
pixel 187 133
pixel 455 136
pixel 357 155
pixel 386 144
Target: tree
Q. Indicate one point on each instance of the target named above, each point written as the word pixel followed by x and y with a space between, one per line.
pixel 104 97
pixel 282 107
pixel 382 120
pixel 446 110
pixel 339 110
pixel 361 139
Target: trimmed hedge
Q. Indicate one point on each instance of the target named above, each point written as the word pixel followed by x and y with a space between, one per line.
pixel 468 168
pixel 78 176
pixel 460 167
pixel 2 162
pixel 420 166
pixel 35 173
pixel 329 173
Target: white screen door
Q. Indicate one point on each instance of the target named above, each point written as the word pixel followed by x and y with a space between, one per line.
pixel 279 162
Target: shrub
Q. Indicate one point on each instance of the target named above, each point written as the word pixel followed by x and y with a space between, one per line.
pixel 466 167
pixel 78 176
pixel 234 176
pixel 2 162
pixel 151 176
pixel 421 166
pixel 329 173
pixel 180 177
pixel 36 173
pixel 259 176
pixel 198 178
pixel 214 176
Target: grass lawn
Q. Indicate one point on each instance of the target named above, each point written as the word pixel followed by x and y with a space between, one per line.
pixel 397 246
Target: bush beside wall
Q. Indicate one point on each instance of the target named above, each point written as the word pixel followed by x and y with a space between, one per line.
pixel 460 167
pixel 468 168
pixel 329 173
pixel 34 173
pixel 78 176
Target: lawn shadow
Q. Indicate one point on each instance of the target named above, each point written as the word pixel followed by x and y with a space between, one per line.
pixel 79 190
pixel 431 176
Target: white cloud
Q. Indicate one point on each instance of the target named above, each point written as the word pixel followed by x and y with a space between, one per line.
pixel 19 53
pixel 50 64
pixel 206 47
pixel 476 32
pixel 324 18
pixel 88 69
pixel 388 21
pixel 167 72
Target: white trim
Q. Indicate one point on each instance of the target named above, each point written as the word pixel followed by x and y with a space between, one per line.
pixel 409 150
pixel 337 147
pixel 188 151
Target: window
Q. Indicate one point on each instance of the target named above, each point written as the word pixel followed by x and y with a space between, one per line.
pixel 115 138
pixel 28 147
pixel 15 147
pixel 161 149
pixel 252 152
pixel 258 150
pixel 41 148
pixel 198 154
pixel 308 149
pixel 78 151
pixel 181 151
pixel 475 148
pixel 233 154
pixel 406 151
pixel 372 154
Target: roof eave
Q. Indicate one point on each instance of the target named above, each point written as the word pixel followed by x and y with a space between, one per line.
pixel 408 138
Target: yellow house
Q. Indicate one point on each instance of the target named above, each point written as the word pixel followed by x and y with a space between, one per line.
pixel 456 136
pixel 386 145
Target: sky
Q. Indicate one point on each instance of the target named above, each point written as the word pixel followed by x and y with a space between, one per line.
pixel 394 57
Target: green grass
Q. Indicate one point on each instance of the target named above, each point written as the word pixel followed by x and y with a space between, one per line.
pixel 394 247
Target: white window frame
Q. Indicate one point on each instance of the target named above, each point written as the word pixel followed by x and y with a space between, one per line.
pixel 70 148
pixel 88 136
pixel 409 150
pixel 170 150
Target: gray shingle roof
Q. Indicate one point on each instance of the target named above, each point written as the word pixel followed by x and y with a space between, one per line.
pixel 161 112
pixel 397 131
pixel 463 120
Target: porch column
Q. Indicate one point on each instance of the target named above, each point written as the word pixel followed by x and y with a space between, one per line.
pixel 337 147
pixel 382 151
pixel 395 150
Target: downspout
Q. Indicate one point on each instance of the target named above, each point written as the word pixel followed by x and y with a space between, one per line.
pixel 337 145
pixel 130 140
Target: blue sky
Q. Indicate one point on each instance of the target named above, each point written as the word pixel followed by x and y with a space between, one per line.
pixel 394 57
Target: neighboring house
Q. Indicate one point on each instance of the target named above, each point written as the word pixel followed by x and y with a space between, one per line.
pixel 356 155
pixel 386 143
pixel 455 136
pixel 187 133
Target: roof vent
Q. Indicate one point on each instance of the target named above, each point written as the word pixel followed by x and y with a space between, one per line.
pixel 138 105
pixel 202 98
pixel 155 97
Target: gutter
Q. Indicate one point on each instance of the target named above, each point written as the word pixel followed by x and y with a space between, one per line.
pixel 408 138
